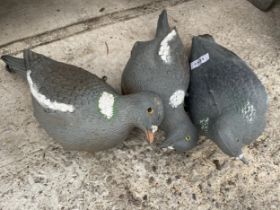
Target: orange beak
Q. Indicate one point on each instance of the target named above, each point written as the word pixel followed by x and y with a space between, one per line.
pixel 150 136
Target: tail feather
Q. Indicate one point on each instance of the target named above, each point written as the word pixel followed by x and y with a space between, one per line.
pixel 162 26
pixel 14 64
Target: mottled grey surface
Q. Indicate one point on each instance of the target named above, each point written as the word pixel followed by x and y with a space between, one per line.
pixel 137 175
pixel 226 99
pixel 160 65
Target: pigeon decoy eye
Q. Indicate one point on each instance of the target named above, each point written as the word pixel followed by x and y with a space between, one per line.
pixel 187 138
pixel 150 110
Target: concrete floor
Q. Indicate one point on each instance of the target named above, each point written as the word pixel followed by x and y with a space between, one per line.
pixel 37 17
pixel 36 173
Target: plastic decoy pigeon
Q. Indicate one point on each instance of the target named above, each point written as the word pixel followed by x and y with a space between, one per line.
pixel 159 66
pixel 226 99
pixel 78 109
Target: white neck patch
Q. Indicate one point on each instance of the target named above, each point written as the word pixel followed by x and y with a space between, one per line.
pixel 106 104
pixel 44 101
pixel 164 50
pixel 177 98
pixel 248 112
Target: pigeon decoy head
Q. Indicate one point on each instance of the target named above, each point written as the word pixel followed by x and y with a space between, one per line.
pixel 182 138
pixel 148 112
pixel 228 135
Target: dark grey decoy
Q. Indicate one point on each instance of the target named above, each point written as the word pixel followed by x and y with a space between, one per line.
pixel 78 109
pixel 226 99
pixel 159 65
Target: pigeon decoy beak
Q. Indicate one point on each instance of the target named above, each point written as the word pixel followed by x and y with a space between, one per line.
pixel 243 159
pixel 150 136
